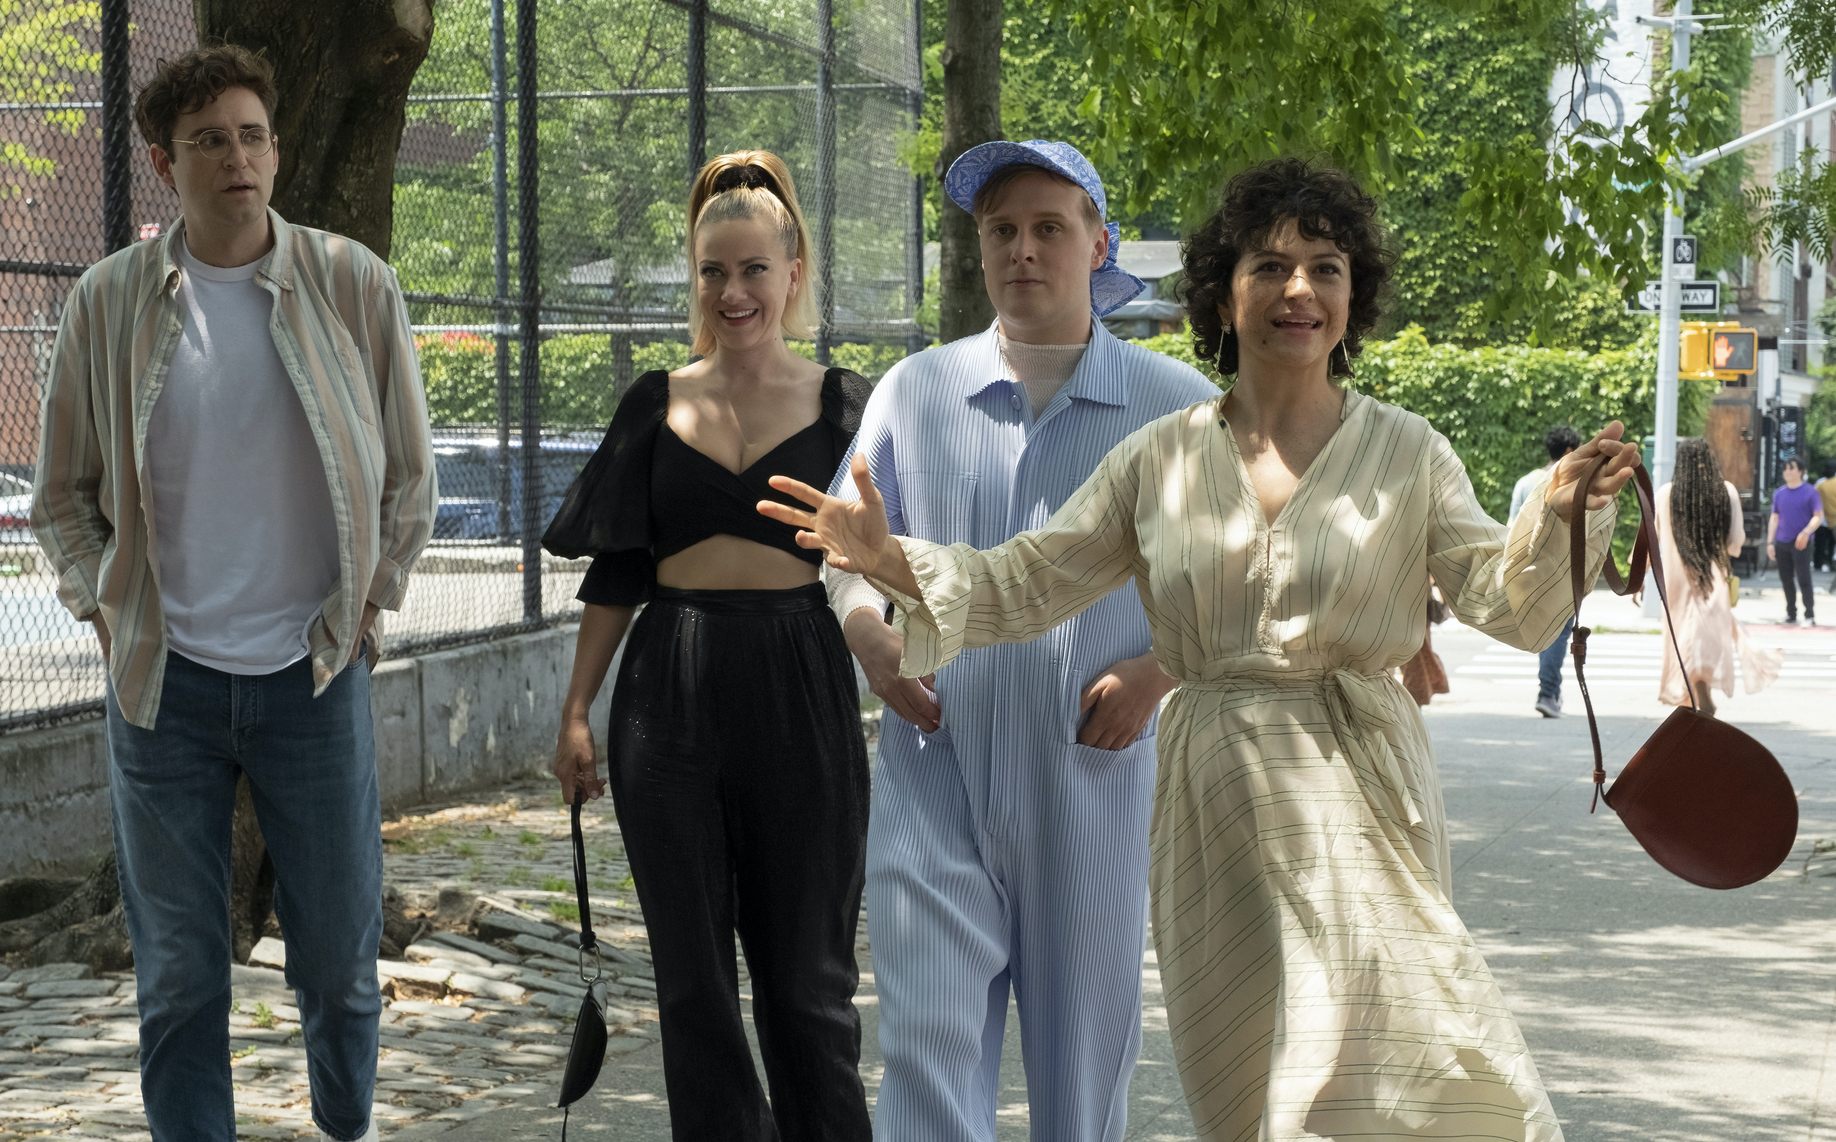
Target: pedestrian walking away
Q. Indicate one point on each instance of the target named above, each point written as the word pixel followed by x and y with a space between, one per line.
pixel 1699 527
pixel 1797 513
pixel 1007 852
pixel 1318 981
pixel 234 478
pixel 1558 442
pixel 737 764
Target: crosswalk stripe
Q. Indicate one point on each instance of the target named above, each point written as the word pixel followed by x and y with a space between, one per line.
pixel 1634 659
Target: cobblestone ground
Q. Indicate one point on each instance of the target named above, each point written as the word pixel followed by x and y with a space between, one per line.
pixel 478 1006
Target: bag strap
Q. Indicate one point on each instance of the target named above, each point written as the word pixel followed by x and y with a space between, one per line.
pixel 1646 547
pixel 588 942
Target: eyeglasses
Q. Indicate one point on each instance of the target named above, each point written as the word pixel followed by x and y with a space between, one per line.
pixel 214 144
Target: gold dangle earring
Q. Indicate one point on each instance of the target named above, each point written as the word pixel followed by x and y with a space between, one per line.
pixel 1346 355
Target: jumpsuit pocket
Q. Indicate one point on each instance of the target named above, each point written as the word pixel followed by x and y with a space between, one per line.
pixel 1099 760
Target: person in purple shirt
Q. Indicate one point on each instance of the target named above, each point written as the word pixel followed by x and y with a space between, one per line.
pixel 1797 513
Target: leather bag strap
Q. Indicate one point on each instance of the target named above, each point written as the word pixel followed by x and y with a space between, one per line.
pixel 1645 548
pixel 588 942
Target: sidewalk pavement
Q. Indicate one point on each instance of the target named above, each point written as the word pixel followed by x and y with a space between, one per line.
pixel 1655 1010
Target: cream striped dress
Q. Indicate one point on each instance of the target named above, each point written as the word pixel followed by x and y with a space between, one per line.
pixel 1319 983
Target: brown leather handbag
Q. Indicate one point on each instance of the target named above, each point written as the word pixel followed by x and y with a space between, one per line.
pixel 1708 802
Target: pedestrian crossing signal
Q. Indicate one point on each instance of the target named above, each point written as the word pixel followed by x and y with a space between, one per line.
pixel 1717 350
pixel 1735 350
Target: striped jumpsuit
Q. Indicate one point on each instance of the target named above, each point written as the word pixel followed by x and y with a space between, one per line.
pixel 1001 854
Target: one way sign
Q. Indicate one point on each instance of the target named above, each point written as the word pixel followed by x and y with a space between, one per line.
pixel 1698 297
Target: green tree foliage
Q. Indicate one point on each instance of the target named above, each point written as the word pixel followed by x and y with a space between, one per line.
pixel 1807 25
pixel 41 51
pixel 1202 90
pixel 1719 209
pixel 1045 73
pixel 614 175
pixel 1820 416
pixel 1478 78
pixel 1197 91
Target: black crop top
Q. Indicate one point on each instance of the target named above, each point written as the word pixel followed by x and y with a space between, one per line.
pixel 646 495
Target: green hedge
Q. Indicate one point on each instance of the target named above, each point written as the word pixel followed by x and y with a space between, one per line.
pixel 459 371
pixel 1494 404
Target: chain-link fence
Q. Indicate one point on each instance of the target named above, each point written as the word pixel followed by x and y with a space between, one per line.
pixel 533 311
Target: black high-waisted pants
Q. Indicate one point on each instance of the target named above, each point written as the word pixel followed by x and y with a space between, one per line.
pixel 739 773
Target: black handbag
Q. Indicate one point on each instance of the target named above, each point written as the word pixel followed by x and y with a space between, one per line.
pixel 1707 802
pixel 587 1053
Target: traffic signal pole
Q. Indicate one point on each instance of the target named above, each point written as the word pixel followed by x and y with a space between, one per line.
pixel 1670 291
pixel 1670 296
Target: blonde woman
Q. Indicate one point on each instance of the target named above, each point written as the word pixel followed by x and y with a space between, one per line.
pixel 737 766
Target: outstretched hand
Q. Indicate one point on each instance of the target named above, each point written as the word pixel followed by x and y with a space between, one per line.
pixel 1613 476
pixel 852 534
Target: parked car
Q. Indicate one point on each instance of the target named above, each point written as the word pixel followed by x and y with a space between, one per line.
pixel 15 509
pixel 476 507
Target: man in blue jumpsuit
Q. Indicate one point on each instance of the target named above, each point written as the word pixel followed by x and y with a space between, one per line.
pixel 1008 842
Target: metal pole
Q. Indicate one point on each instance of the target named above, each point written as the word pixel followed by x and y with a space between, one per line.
pixel 1670 293
pixel 500 186
pixel 528 218
pixel 825 178
pixel 1670 300
pixel 1690 166
pixel 117 114
pixel 914 240
pixel 698 86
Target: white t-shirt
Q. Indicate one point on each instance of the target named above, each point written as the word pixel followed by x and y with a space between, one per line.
pixel 242 513
pixel 1528 485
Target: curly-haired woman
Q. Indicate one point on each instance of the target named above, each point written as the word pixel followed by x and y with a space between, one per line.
pixel 1282 535
pixel 1699 526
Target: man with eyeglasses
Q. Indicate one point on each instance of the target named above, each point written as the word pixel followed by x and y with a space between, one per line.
pixel 234 477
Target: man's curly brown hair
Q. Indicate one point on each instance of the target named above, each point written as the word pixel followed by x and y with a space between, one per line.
pixel 1326 203
pixel 189 83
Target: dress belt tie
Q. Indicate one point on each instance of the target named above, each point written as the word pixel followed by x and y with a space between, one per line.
pixel 1360 712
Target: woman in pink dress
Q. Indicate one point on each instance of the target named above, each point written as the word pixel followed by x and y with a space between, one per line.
pixel 1699 526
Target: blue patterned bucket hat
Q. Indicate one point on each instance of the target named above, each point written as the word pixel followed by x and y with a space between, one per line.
pixel 1111 286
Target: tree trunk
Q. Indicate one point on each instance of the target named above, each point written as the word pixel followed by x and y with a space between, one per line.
pixel 342 70
pixel 29 895
pixel 251 877
pixel 80 921
pixel 972 116
pixel 84 926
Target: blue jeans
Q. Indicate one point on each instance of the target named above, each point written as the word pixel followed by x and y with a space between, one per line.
pixel 1549 665
pixel 311 765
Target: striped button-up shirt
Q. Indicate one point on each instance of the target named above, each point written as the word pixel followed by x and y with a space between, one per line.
pixel 341 329
pixel 952 446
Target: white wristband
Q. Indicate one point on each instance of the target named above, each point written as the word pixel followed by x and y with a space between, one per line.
pixel 848 593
